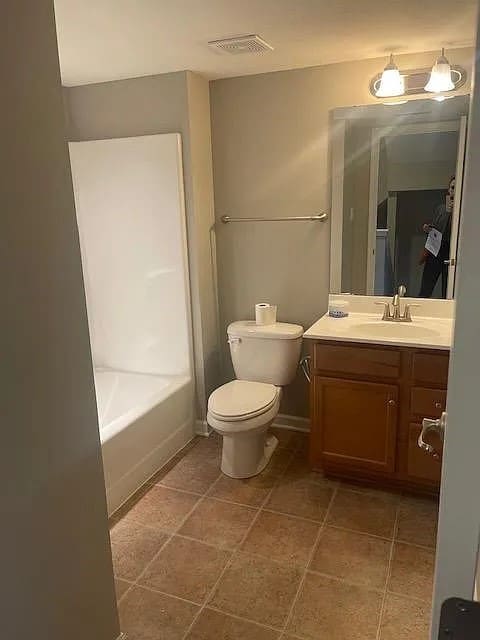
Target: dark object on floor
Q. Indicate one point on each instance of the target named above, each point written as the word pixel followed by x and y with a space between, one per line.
pixel 459 620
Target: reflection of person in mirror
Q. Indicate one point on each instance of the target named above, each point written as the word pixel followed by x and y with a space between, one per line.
pixel 434 266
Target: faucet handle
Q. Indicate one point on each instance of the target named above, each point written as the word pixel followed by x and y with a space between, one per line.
pixel 386 310
pixel 406 314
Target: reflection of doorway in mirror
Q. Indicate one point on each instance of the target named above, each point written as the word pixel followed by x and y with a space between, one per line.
pixel 414 209
pixel 410 172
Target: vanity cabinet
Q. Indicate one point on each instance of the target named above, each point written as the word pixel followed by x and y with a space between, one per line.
pixel 367 406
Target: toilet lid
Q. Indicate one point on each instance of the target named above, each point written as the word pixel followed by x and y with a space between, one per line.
pixel 242 399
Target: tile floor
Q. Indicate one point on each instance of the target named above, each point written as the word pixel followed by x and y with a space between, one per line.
pixel 288 554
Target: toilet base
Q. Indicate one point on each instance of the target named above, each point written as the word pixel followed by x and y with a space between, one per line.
pixel 247 456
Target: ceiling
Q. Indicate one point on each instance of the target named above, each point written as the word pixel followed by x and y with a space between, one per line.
pixel 102 40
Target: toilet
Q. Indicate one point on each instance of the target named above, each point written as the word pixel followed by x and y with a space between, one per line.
pixel 265 359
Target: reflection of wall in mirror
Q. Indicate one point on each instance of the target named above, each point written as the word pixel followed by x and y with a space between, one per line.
pixel 420 161
pixel 356 193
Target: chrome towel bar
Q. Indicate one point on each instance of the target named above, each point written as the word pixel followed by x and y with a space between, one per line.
pixel 318 217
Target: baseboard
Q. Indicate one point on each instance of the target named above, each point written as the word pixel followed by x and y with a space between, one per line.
pixel 296 423
pixel 202 428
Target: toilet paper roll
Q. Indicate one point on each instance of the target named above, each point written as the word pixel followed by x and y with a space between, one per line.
pixel 265 313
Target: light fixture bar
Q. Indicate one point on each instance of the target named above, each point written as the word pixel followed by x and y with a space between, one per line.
pixel 415 81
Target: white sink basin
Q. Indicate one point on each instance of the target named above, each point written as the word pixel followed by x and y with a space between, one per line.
pixel 393 330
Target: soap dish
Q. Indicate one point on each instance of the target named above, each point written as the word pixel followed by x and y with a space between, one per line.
pixel 337 313
pixel 338 309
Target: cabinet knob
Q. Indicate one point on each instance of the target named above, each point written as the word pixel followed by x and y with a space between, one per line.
pixel 438 405
pixel 392 403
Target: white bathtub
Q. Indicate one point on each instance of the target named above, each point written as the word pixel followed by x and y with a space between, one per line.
pixel 144 420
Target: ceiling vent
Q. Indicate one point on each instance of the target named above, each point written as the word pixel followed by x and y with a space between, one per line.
pixel 241 44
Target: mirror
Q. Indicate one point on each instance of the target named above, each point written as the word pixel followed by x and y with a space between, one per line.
pixel 396 197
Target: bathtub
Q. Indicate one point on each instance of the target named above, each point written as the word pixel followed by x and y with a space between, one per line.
pixel 144 420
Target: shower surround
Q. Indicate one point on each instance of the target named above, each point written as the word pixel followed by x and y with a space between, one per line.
pixel 131 218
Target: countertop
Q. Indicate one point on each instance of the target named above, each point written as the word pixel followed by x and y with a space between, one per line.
pixel 423 332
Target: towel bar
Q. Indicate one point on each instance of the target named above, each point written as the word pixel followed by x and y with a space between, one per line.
pixel 318 217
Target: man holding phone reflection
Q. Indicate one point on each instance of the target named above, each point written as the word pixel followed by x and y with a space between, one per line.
pixel 432 258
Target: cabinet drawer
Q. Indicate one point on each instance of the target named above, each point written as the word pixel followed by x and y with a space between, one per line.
pixel 430 369
pixel 358 361
pixel 423 465
pixel 427 403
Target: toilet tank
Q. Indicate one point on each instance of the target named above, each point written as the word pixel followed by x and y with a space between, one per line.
pixel 265 353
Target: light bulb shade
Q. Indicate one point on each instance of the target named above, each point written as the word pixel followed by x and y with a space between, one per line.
pixel 391 83
pixel 440 77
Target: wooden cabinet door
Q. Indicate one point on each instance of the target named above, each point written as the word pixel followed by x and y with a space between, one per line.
pixel 354 423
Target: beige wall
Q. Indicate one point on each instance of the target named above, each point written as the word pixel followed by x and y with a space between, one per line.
pixel 56 562
pixel 271 157
pixel 168 103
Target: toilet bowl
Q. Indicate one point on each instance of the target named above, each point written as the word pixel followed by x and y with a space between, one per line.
pixel 265 358
pixel 241 411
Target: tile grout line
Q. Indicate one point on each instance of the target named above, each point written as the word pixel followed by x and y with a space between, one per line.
pixel 360 532
pixel 219 547
pixel 217 582
pixel 293 516
pixel 389 572
pixel 414 544
pixel 148 484
pixel 236 551
pixel 403 596
pixel 237 617
pixel 200 499
pixel 280 475
pixel 345 581
pixel 114 519
pixel 160 485
pixel 165 593
pixel 310 557
pixel 170 535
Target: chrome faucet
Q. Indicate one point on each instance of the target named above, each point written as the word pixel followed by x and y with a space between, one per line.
pixel 392 312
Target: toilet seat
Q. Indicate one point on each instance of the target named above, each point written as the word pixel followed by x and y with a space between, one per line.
pixel 241 400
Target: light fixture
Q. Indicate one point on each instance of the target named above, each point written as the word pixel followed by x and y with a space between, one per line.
pixel 440 76
pixel 391 82
pixel 438 83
